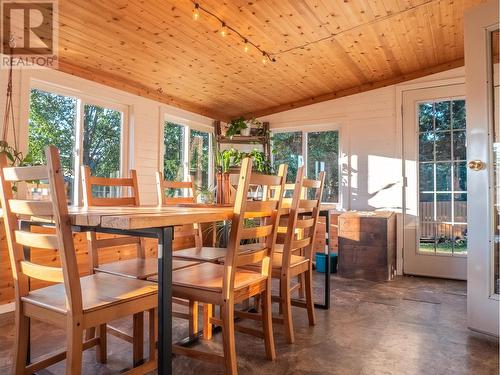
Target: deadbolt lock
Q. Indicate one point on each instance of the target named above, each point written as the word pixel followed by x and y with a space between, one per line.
pixel 476 165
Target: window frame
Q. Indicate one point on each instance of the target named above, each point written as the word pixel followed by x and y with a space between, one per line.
pixel 187 125
pixel 304 130
pixel 81 100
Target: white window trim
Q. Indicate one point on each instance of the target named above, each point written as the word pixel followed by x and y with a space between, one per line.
pixel 318 128
pixel 82 99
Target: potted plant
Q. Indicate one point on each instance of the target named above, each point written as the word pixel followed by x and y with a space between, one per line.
pixel 236 126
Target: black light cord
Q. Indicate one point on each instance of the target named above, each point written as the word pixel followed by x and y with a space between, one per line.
pixel 243 38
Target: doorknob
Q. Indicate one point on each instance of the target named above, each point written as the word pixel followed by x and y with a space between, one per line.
pixel 476 165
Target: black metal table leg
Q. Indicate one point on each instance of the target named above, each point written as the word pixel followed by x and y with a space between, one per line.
pixel 165 238
pixel 326 304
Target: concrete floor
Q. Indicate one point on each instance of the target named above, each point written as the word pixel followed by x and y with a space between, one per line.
pixel 408 326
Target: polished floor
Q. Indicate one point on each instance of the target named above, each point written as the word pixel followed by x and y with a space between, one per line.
pixel 408 326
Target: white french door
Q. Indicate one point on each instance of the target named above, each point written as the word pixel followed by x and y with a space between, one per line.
pixel 435 216
pixel 482 86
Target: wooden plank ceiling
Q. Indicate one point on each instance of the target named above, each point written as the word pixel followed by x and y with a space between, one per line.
pixel 155 49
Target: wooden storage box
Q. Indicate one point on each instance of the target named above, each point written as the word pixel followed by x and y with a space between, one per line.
pixel 367 245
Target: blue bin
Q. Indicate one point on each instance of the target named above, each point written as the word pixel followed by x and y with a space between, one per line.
pixel 321 262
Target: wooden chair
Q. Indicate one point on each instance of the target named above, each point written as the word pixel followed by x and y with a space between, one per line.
pixel 227 284
pixel 73 303
pixel 295 258
pixel 199 252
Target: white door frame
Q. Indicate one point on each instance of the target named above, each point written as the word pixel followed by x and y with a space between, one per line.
pixel 415 262
pixel 482 304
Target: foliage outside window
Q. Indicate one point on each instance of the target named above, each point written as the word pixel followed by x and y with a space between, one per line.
pixel 321 152
pixel 53 121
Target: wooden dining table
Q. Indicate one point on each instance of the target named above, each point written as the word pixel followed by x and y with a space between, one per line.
pixel 153 222
pixel 159 222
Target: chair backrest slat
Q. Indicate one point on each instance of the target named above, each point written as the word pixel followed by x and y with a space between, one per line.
pixel 38 240
pixel 56 208
pixel 16 174
pixel 31 207
pixel 247 213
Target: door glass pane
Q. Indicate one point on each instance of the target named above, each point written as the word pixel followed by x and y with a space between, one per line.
pixel 496 151
pixel 102 131
pixel 199 150
pixel 442 176
pixel 173 158
pixel 52 121
pixel 323 155
pixel 287 148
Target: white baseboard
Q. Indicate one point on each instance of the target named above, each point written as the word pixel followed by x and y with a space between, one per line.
pixel 7 308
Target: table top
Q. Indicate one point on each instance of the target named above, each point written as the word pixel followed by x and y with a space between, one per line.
pixel 145 216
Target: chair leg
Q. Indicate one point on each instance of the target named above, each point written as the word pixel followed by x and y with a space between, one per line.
pixel 302 285
pixel 21 344
pixel 207 326
pixel 152 334
pixel 286 308
pixel 193 318
pixel 227 315
pixel 256 302
pixel 138 338
pixel 74 352
pixel 102 350
pixel 309 298
pixel 267 324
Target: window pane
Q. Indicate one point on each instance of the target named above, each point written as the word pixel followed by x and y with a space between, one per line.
pixel 443 115
pixel 443 176
pixel 459 146
pixel 52 121
pixel 460 177
pixel 322 155
pixel 426 147
pixel 426 177
pixel 460 239
pixel 287 148
pixel 444 238
pixel 443 207
pixel 173 159
pixel 443 146
pixel 102 129
pixel 458 114
pixel 426 117
pixel 426 207
pixel 460 204
pixel 199 150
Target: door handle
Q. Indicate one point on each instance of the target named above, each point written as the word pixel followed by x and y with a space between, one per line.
pixel 476 165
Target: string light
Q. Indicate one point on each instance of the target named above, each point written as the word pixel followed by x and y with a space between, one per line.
pixel 196 12
pixel 224 31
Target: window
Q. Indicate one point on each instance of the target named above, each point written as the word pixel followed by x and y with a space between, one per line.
pixel 94 139
pixel 442 177
pixel 319 150
pixel 187 155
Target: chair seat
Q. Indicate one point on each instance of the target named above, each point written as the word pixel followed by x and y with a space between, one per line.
pixel 295 260
pixel 204 254
pixel 99 291
pixel 209 276
pixel 177 264
pixel 137 268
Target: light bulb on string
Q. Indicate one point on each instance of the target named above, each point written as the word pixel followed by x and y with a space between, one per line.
pixel 264 58
pixel 196 12
pixel 223 30
pixel 245 46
